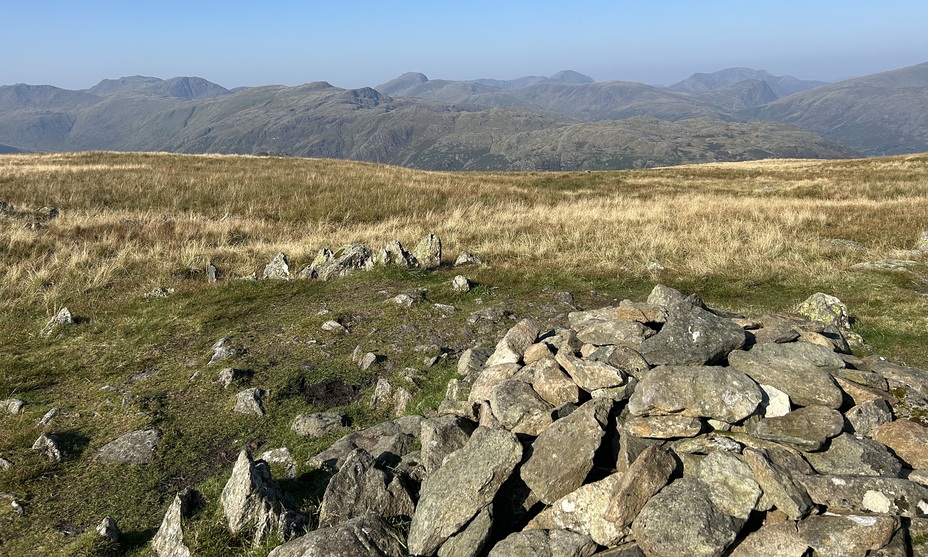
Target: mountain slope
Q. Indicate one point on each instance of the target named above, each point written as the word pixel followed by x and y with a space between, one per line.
pixel 781 85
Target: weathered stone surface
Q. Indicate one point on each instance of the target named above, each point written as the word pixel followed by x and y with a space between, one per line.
pixel 647 475
pixel 465 484
pixel 825 309
pixel 442 436
pixel 624 358
pixel 913 377
pixel 583 511
pixel 907 439
pixel 465 258
pixel 278 268
pixel 643 313
pixel 359 489
pixel 562 455
pixel 472 361
pixel 630 549
pixel 847 536
pixel 319 424
pixel 706 444
pixel 250 401
pixel 342 262
pixel 776 403
pixel 776 539
pixel 392 253
pixel 862 377
pixel 12 405
pixel 590 375
pixel 460 284
pixel 387 442
pixel 613 331
pixel 799 369
pixel 552 384
pixel 698 391
pixel 489 378
pixel 48 417
pixel 537 352
pixel 49 445
pixel 169 540
pixel 472 540
pixel 732 487
pixel 665 427
pixel 252 502
pixel 428 252
pixel 777 484
pixel 231 375
pixel 280 456
pixel 61 319
pixel 847 454
pixel 519 408
pixel 682 521
pixel 806 429
pixel 867 494
pixel 366 535
pixel 135 447
pixel 544 543
pixel 108 529
pixel 692 336
pixel 774 329
pixel 509 350
pixel 223 350
pixel 664 296
pixel 867 416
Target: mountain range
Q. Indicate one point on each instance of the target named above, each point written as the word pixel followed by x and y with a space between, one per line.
pixel 566 121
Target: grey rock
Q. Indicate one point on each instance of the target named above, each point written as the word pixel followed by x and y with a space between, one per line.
pixel 692 336
pixel 512 346
pixel 383 393
pixel 404 300
pixel 624 358
pixel 387 442
pixel 48 417
pixel 614 331
pixel 252 502
pixel 563 340
pixel 442 436
pixel 664 296
pixel 775 539
pixel 169 540
pixel 490 378
pixel 472 540
pixel 364 536
pixel 537 352
pixel 863 377
pixel 867 494
pixel 359 489
pixel 428 252
pixel 847 536
pixel 231 375
pixel 682 521
pixel 519 408
pixel 392 253
pixel 583 511
pixel 706 444
pixel 49 445
pixel 5 464
pixel 333 326
pixel 472 361
pixel 898 546
pixel 779 488
pixel 848 454
pixel 647 475
pixel 642 313
pixel 135 447
pixel 920 244
pixel 319 424
pixel 212 272
pixel 61 319
pixel 825 309
pixel 806 428
pixel 562 455
pixel 342 262
pixel 368 361
pixel 665 427
pixel 697 391
pixel 544 543
pixel 912 377
pixel 159 292
pixel 552 384
pixel 907 439
pixel 732 486
pixel 460 284
pixel 278 268
pixel 282 457
pixel 6 208
pixel 223 350
pixel 47 213
pixel 801 370
pixel 462 487
pixel 590 375
pixel 12 405
pixel 108 529
pixel 466 258
pixel 250 401
pixel 630 549
pixel 776 402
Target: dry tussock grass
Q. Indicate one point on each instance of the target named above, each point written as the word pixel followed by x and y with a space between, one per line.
pixel 131 221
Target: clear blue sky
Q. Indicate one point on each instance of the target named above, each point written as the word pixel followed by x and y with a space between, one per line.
pixel 74 44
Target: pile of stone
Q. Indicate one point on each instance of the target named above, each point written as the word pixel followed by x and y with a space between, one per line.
pixel 664 428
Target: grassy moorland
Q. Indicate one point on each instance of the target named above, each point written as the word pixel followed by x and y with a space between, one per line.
pixel 753 237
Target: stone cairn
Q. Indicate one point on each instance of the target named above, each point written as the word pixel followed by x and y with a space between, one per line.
pixel 664 428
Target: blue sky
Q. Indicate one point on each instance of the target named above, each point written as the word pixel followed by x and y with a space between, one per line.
pixel 74 44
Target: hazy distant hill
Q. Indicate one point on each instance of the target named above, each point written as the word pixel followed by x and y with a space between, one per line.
pixel 782 86
pixel 879 114
pixel 566 121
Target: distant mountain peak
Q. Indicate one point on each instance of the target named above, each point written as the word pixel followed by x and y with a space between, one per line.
pixel 401 83
pixel 570 76
pixel 782 86
pixel 178 87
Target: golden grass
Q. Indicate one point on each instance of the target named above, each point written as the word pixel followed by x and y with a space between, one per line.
pixel 131 220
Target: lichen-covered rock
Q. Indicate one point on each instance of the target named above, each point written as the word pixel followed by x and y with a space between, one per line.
pixel 462 487
pixel 442 436
pixel 472 540
pixel 169 540
pixel 359 488
pixel 387 442
pixel 847 536
pixel 319 424
pixel 342 262
pixel 848 454
pixel 732 486
pixel 562 455
pixel 544 543
pixel 366 535
pixel 801 370
pixel 428 252
pixel 12 405
pixel 907 439
pixel 49 445
pixel 697 391
pixel 692 336
pixel 806 428
pixel 590 375
pixel 583 511
pixel 392 253
pixel 552 384
pixel 647 475
pixel 252 502
pixel 278 268
pixel 519 408
pixel 135 447
pixel 460 284
pixel 510 349
pixel 61 319
pixel 826 309
pixel 867 495
pixel 250 401
pixel 665 427
pixel 682 521
pixel 779 488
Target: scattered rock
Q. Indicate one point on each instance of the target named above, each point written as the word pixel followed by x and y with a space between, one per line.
pixel 48 417
pixel 160 292
pixel 392 253
pixel 136 447
pixel 282 457
pixel 428 252
pixel 250 401
pixel 222 350
pixel 466 258
pixel 231 375
pixel 278 268
pixel 359 488
pixel 169 540
pixel 319 424
pixel 460 284
pixel 366 535
pixel 333 326
pixel 50 446
pixel 109 529
pixel 212 272
pixel 387 443
pixel 12 405
pixel 61 319
pixel 344 261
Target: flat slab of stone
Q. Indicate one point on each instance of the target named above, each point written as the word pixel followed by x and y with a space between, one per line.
pixel 806 429
pixel 544 543
pixel 907 439
pixel 674 426
pixel 867 495
pixel 590 375
pixel 799 369
pixel 692 336
pixel 319 424
pixel 697 391
pixel 848 454
pixel 582 511
pixel 136 447
pixel 647 475
pixel 510 349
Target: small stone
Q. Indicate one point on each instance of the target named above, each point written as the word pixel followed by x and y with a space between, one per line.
pixel 250 401
pixel 169 539
pixel 108 529
pixel 466 258
pixel 48 417
pixel 212 273
pixel 319 424
pixel 383 393
pixel 136 447
pixel 428 252
pixel 333 326
pixel 61 319
pixel 278 268
pixel 777 402
pixel 404 300
pixel 282 457
pixel 460 284
pixel 50 446
pixel 12 405
pixel 230 375
pixel 805 428
pixel 368 361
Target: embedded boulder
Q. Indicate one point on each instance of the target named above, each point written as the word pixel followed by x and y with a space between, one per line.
pixel 366 535
pixel 136 447
pixel 692 336
pixel 799 369
pixel 360 488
